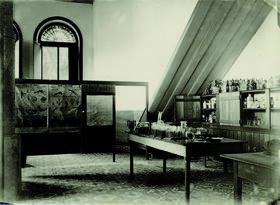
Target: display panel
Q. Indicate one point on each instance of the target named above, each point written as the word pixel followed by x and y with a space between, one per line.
pixel 31 104
pixel 99 110
pixel 65 105
pixel 48 106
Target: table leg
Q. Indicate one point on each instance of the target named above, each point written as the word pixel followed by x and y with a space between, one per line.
pixel 131 158
pixel 205 162
pixel 225 167
pixel 187 175
pixel 114 154
pixel 276 181
pixel 147 153
pixel 164 162
pixel 237 184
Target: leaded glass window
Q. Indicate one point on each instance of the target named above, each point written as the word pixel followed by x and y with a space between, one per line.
pixel 58 33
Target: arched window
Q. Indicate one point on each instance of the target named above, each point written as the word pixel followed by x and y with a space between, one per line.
pixel 57 50
pixel 18 53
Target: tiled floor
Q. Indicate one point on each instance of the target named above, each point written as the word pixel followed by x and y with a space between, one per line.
pixel 95 179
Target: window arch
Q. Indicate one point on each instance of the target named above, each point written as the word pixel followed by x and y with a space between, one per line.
pixel 57 50
pixel 18 50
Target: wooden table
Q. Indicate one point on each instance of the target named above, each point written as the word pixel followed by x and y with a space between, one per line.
pixel 187 149
pixel 256 167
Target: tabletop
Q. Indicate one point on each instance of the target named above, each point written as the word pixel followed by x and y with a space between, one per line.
pixel 254 158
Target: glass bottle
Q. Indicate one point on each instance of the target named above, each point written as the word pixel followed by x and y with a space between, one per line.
pixel 250 101
pixel 227 87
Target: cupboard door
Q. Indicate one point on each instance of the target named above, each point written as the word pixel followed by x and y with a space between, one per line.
pixel 187 108
pixel 275 107
pixel 229 108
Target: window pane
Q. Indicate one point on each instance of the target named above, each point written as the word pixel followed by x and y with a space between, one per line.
pixel 37 61
pixel 63 63
pixel 17 59
pixel 49 63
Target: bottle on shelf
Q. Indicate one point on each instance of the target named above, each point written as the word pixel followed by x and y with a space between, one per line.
pixel 210 118
pixel 245 103
pixel 203 118
pixel 213 103
pixel 271 102
pixel 227 87
pixel 250 101
pixel 214 117
pixel 204 104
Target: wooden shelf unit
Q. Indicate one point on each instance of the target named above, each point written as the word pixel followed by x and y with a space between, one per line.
pixel 230 110
pixel 209 109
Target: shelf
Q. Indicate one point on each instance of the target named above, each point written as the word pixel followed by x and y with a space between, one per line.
pixel 252 126
pixel 254 109
pixel 208 123
pixel 208 96
pixel 275 109
pixel 275 127
pixel 274 89
pixel 209 109
pixel 253 91
pixel 226 102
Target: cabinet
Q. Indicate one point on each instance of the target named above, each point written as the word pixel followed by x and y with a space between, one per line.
pixel 187 108
pixel 274 98
pixel 229 108
pixel 254 105
pixel 209 109
pixel 255 109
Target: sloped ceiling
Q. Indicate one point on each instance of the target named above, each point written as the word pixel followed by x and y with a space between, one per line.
pixel 78 1
pixel 70 1
pixel 214 37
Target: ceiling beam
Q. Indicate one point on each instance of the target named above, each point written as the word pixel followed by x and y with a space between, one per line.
pixel 203 41
pixel 215 36
pixel 228 32
pixel 248 28
pixel 78 1
pixel 184 45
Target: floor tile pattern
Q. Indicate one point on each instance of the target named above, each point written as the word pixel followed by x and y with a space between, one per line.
pixel 94 179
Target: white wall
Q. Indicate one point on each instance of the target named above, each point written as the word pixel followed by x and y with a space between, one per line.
pixel 261 57
pixel 28 14
pixel 124 40
pixel 135 39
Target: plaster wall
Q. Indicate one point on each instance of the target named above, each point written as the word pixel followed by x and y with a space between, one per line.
pixel 28 14
pixel 134 40
pixel 260 58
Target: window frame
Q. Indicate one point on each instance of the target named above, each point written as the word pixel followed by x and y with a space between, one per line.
pixel 71 66
pixel 75 71
pixel 18 38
